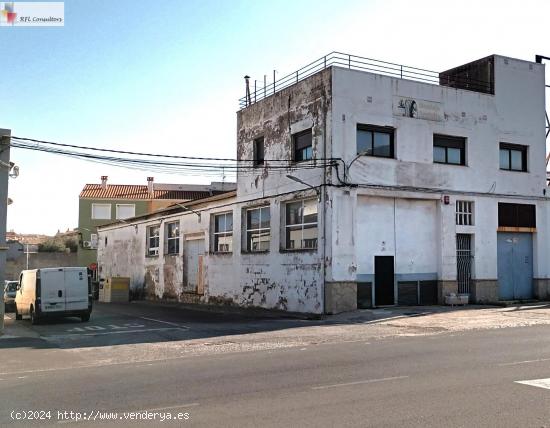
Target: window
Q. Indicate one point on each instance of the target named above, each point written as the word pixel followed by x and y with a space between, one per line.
pixel 153 240
pixel 464 213
pixel 101 211
pixel 450 150
pixel 257 229
pixel 301 225
pixel 223 233
pixel 172 237
pixel 125 211
pixel 303 149
pixel 259 151
pixel 93 240
pixel 375 141
pixel 513 157
pixel 517 215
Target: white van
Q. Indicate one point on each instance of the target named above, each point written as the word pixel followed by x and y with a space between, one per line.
pixel 47 292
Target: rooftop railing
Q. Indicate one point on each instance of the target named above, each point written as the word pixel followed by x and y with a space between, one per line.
pixel 354 62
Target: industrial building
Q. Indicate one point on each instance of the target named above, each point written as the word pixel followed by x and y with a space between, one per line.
pixel 362 183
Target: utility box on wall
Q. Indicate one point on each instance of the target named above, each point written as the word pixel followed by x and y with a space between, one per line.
pixel 115 290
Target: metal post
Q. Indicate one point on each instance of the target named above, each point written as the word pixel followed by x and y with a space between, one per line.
pixel 296 76
pixel 4 177
pixel 27 252
pixel 349 61
pixel 255 90
pixel 325 61
pixel 401 72
pixel 265 85
pixel 273 81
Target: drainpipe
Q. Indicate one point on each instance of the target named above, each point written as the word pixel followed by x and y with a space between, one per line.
pixel 323 202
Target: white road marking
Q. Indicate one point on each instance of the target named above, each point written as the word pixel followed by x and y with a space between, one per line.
pixel 179 406
pixel 110 326
pixel 164 322
pixel 539 383
pixel 114 332
pixel 525 362
pixel 359 382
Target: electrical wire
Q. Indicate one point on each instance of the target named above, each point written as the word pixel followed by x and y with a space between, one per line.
pixel 32 140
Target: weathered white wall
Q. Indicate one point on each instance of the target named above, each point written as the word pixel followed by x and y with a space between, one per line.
pixel 280 280
pixel 515 114
pixel 297 108
pixel 413 225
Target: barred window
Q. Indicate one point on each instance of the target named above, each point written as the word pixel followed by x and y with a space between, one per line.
pixel 465 213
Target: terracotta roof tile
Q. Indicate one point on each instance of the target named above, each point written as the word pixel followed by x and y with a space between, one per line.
pixel 134 191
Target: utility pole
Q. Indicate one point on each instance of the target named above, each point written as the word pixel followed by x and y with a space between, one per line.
pixel 27 252
pixel 5 167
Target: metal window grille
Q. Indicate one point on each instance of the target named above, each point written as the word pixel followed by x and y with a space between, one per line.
pixel 465 213
pixel 464 262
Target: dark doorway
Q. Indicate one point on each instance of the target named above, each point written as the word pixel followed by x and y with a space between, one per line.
pixel 383 280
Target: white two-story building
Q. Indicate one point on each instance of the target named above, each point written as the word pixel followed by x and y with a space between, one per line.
pixel 363 183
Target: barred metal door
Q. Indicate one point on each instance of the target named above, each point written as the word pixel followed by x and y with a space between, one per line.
pixel 464 262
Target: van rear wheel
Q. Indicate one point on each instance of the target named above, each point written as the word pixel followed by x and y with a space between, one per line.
pixel 18 316
pixel 85 317
pixel 34 318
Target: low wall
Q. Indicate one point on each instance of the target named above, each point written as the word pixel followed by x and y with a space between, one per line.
pixel 39 260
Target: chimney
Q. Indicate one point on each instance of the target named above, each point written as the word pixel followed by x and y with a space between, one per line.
pixel 247 83
pixel 150 187
pixel 104 182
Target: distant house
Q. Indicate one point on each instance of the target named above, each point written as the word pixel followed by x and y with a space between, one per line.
pixel 103 203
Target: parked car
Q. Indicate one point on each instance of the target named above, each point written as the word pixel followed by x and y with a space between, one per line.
pixel 52 292
pixel 10 289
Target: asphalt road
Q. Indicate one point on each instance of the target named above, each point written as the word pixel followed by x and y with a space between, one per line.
pixel 467 379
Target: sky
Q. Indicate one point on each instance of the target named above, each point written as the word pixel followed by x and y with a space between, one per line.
pixel 166 76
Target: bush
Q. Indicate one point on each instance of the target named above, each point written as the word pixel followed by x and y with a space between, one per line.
pixel 52 245
pixel 72 244
pixel 58 245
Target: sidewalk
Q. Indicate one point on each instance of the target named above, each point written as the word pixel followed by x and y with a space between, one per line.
pixel 446 318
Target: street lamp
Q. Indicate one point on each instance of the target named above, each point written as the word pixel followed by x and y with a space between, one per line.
pixel 297 180
pixel 190 210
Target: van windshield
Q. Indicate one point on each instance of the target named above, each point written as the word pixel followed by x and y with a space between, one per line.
pixel 12 286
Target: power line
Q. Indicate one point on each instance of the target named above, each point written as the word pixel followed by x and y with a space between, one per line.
pixel 191 166
pixel 23 139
